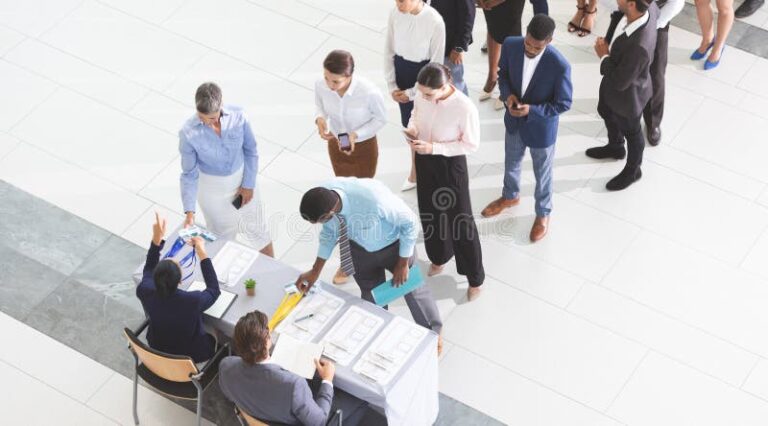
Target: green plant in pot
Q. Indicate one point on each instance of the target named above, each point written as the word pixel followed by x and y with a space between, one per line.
pixel 250 286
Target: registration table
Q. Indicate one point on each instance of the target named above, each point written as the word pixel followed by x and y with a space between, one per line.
pixel 408 396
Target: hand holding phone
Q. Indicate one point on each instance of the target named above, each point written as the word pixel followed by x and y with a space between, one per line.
pixel 238 201
pixel 344 142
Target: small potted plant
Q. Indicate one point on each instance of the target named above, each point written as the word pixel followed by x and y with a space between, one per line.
pixel 250 287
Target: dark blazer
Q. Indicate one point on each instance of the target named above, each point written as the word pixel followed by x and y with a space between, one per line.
pixel 459 18
pixel 176 322
pixel 626 86
pixel 272 393
pixel 549 94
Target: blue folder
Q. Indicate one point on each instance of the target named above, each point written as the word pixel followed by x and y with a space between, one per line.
pixel 385 292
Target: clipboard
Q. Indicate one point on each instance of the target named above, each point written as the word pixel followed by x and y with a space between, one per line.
pixel 385 292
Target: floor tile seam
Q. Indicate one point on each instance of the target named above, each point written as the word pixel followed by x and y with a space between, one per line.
pixel 752 246
pixel 164 20
pixel 738 22
pixel 175 159
pixel 59 392
pixel 31 111
pixel 626 382
pixel 306 3
pixel 62 19
pixel 749 374
pixel 534 381
pixel 24 38
pixel 289 75
pixel 310 6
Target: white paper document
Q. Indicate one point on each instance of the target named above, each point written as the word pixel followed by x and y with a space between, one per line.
pixel 232 262
pixel 295 356
pixel 350 334
pixel 390 351
pixel 219 308
pixel 322 306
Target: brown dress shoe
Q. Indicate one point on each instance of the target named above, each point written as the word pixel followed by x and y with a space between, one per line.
pixel 499 205
pixel 340 277
pixel 539 229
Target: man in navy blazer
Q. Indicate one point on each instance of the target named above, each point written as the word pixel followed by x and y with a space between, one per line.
pixel 176 316
pixel 535 85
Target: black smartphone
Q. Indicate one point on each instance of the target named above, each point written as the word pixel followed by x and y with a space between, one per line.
pixel 344 140
pixel 515 105
pixel 238 201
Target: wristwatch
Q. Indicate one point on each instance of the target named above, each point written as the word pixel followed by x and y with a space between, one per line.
pixel 459 49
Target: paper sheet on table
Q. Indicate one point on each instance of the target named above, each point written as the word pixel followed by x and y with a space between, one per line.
pixel 219 308
pixel 295 356
pixel 232 262
pixel 350 334
pixel 323 307
pixel 385 292
pixel 392 349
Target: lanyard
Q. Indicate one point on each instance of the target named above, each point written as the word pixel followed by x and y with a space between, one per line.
pixel 190 260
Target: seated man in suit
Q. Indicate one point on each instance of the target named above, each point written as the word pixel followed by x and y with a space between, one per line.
pixel 176 316
pixel 270 393
pixel 535 84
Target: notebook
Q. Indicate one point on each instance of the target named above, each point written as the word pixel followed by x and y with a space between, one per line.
pixel 295 356
pixel 385 292
pixel 219 308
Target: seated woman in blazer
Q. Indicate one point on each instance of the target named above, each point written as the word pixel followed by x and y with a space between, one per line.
pixel 176 316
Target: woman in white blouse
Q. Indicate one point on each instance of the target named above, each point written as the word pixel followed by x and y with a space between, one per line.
pixel 350 106
pixel 415 37
pixel 444 127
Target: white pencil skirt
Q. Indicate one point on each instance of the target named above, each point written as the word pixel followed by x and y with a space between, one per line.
pixel 215 195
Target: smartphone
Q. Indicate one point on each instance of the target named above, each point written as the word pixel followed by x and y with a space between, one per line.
pixel 515 105
pixel 238 201
pixel 344 140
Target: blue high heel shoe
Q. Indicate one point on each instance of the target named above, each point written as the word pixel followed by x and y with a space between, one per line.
pixel 710 65
pixel 696 55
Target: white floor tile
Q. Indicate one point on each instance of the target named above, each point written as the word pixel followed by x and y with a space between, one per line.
pixel 114 400
pixel 76 74
pixel 757 383
pixel 294 9
pixel 238 24
pixel 125 45
pixel 673 338
pixel 163 113
pixel 149 10
pixel 7 144
pixel 140 232
pixel 71 188
pixel 99 139
pixel 753 80
pixel 689 286
pixel 283 169
pixel 696 81
pixel 8 39
pixel 26 89
pixel 373 15
pixel 73 374
pixel 507 396
pixel 33 17
pixel 532 338
pixel 28 401
pixel 663 391
pixel 352 31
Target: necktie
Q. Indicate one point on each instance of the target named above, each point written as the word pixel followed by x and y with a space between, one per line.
pixel 346 254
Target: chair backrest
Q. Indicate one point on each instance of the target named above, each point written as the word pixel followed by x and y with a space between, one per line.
pixel 251 421
pixel 175 368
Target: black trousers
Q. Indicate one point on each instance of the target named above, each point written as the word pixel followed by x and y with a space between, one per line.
pixel 446 214
pixel 654 111
pixel 405 77
pixel 620 128
pixel 353 409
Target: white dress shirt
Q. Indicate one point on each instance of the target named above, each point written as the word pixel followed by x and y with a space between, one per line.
pixel 529 67
pixel 451 124
pixel 414 38
pixel 670 10
pixel 627 29
pixel 360 110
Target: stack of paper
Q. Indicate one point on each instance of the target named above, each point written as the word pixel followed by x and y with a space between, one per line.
pixel 322 306
pixel 390 351
pixel 295 356
pixel 350 334
pixel 232 262
pixel 219 308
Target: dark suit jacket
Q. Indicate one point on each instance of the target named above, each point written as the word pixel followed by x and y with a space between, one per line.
pixel 626 85
pixel 549 94
pixel 272 393
pixel 459 18
pixel 176 322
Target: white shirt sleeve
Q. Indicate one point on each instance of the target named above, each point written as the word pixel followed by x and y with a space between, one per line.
pixel 669 11
pixel 319 110
pixel 389 54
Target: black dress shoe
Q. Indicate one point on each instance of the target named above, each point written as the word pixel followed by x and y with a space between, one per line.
pixel 748 8
pixel 654 136
pixel 624 179
pixel 607 151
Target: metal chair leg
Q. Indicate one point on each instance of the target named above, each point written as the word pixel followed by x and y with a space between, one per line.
pixel 199 401
pixel 135 393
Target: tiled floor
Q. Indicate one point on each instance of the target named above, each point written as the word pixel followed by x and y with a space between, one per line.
pixel 645 307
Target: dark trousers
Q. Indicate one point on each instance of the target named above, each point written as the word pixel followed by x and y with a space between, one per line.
pixel 370 270
pixel 405 77
pixel 446 214
pixel 353 409
pixel 619 128
pixel 654 111
pixel 540 6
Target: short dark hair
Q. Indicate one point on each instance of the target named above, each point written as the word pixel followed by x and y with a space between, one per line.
pixel 208 98
pixel 167 276
pixel 316 202
pixel 541 27
pixel 434 75
pixel 641 5
pixel 250 337
pixel 340 62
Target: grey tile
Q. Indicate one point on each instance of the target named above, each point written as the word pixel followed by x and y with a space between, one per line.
pixel 755 41
pixel 24 282
pixel 454 413
pixel 743 36
pixel 44 232
pixel 108 271
pixel 89 322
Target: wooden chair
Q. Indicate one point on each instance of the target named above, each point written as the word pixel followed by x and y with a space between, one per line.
pixel 248 420
pixel 173 375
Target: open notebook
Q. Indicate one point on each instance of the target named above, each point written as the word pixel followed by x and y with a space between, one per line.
pixel 296 356
pixel 218 309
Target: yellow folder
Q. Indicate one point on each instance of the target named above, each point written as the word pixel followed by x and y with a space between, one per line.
pixel 286 306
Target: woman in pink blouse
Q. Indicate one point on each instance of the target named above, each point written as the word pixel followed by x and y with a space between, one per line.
pixel 444 127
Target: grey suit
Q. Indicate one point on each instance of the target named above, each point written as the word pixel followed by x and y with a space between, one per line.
pixel 271 393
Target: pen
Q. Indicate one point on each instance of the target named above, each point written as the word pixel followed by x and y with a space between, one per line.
pixel 338 345
pixel 303 318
